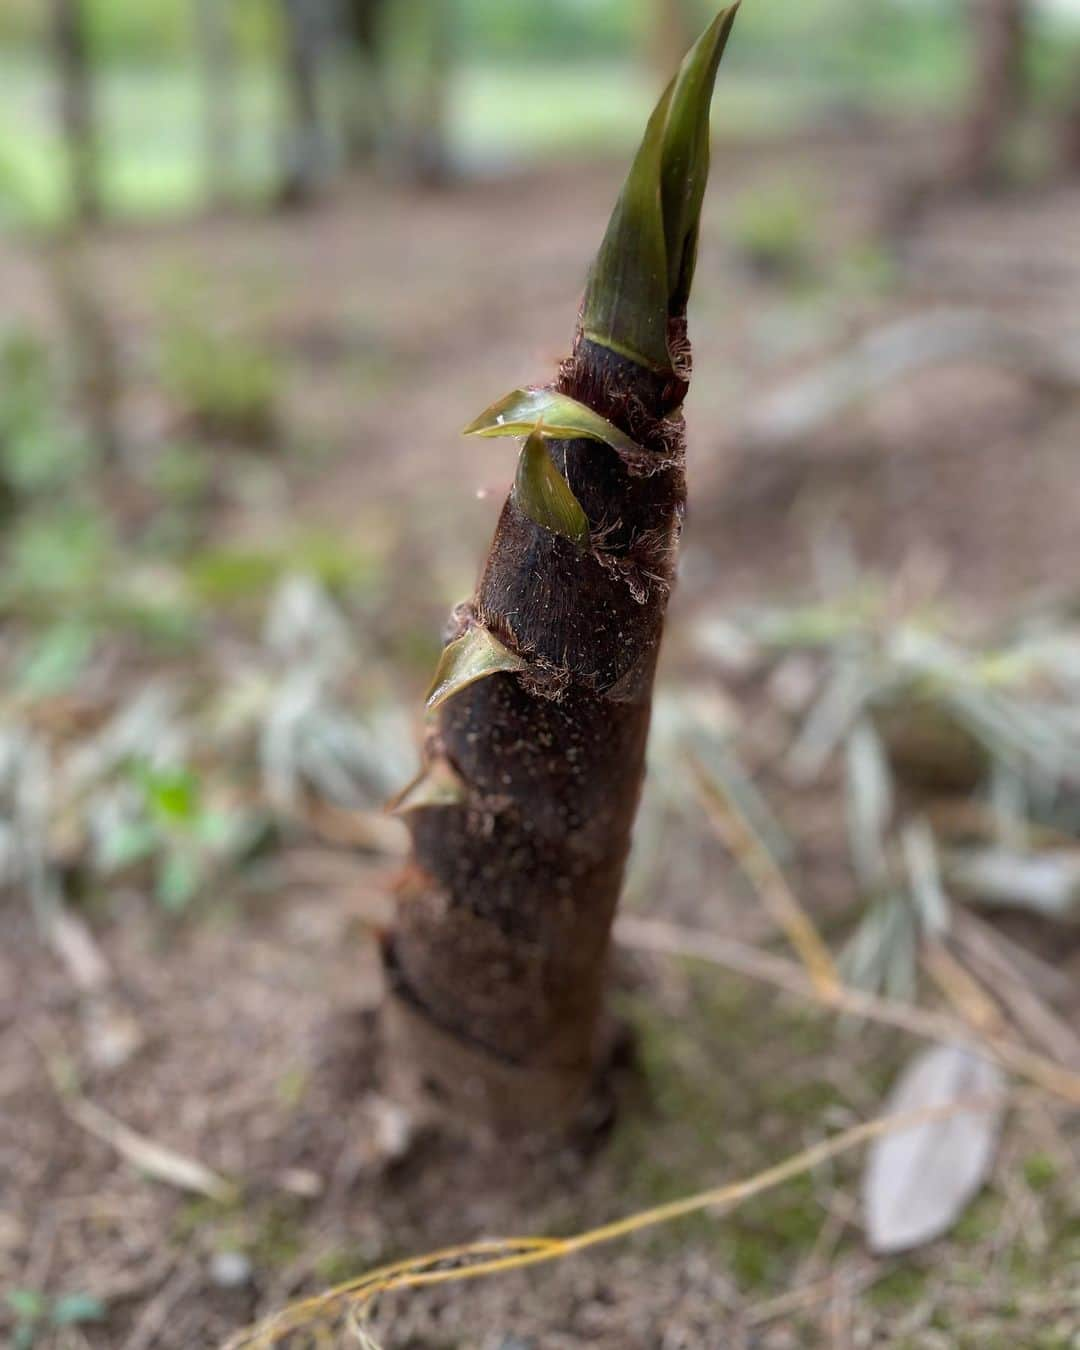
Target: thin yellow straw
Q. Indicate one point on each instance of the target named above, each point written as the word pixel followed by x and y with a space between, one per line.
pixel 738 835
pixel 698 944
pixel 355 1296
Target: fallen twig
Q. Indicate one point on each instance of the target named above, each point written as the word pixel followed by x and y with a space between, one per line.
pixel 1020 994
pixel 155 1315
pixel 701 945
pixel 742 841
pixel 805 1296
pixel 966 994
pixel 76 949
pixel 156 1160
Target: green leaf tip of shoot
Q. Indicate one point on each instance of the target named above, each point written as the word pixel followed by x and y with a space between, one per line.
pixel 471 657
pixel 644 270
pixel 543 494
pixel 437 784
pixel 557 415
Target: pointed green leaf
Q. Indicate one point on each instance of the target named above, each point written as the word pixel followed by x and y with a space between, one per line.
pixel 643 272
pixel 438 784
pixel 471 657
pixel 625 304
pixel 686 155
pixel 542 493
pixel 563 418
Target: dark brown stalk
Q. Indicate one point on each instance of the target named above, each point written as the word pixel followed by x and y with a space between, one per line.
pixel 522 820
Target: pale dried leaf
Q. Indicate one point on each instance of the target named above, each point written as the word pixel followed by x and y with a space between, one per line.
pixel 147 1155
pixel 869 804
pixel 1048 883
pixel 830 719
pixel 72 941
pixel 924 873
pixel 919 1181
pixel 305 628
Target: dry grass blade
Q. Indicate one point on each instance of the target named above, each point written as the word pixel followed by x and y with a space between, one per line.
pixel 156 1160
pixel 479 1259
pixel 700 945
pixel 74 945
pixel 739 836
pixel 805 1296
pixel 1024 986
pixel 962 989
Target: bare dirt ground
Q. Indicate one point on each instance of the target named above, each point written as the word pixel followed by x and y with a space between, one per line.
pixel 399 318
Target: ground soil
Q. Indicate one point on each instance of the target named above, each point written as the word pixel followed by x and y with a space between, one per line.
pixel 399 317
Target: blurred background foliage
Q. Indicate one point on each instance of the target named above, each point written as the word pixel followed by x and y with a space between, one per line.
pixel 511 71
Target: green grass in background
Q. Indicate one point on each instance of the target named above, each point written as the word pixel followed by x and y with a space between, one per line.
pixel 151 127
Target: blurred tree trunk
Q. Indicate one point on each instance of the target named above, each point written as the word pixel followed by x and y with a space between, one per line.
pixel 670 29
pixel 218 60
pixel 305 146
pixel 999 29
pixel 1070 130
pixel 85 322
pixel 361 34
pixel 95 356
pixel 72 57
pixel 422 141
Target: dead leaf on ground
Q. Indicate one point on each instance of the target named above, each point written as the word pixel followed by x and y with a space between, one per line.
pixel 919 1181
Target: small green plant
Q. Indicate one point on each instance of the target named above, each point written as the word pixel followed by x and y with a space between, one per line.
pixel 62 554
pixel 37 1314
pixel 167 823
pixel 224 384
pixel 234 575
pixel 185 487
pixel 54 662
pixel 773 233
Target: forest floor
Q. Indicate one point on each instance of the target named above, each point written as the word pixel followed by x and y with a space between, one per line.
pixel 239 1033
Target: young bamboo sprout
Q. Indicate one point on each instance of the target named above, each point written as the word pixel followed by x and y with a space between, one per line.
pixel 539 710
